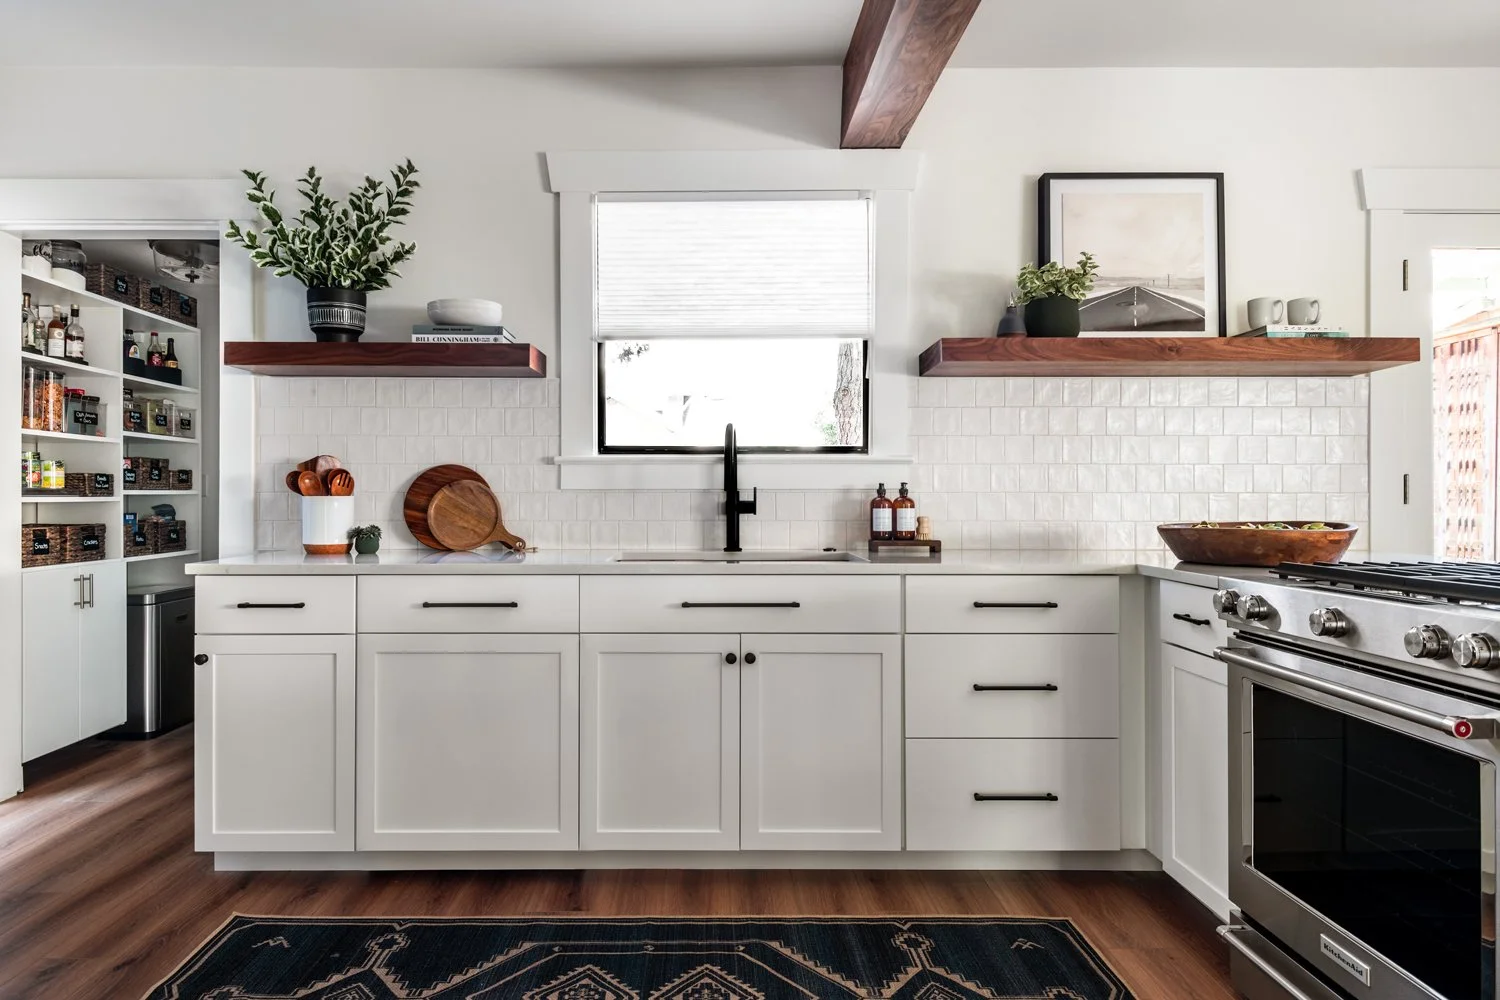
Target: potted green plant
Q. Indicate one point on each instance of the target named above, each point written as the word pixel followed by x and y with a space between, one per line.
pixel 340 252
pixel 1051 294
pixel 366 539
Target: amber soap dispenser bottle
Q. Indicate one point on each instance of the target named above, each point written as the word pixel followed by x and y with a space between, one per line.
pixel 905 509
pixel 881 516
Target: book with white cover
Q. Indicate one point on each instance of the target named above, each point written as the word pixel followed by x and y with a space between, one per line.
pixel 1284 330
pixel 425 334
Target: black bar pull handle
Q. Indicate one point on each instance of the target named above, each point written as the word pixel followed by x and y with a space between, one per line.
pixel 1184 617
pixel 1015 687
pixel 1015 604
pixel 247 604
pixel 742 604
pixel 470 604
pixel 1011 797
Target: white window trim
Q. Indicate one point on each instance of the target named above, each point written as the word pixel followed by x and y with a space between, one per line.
pixel 889 176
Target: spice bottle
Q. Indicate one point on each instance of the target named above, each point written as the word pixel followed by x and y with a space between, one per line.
pixel 880 516
pixel 905 509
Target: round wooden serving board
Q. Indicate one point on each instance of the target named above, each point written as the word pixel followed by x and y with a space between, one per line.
pixel 466 515
pixel 419 497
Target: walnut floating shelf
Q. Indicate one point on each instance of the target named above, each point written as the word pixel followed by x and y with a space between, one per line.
pixel 401 360
pixel 1173 356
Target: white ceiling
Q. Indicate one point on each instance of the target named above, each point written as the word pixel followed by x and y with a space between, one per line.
pixel 530 33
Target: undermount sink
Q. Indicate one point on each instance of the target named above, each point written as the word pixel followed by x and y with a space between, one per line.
pixel 739 557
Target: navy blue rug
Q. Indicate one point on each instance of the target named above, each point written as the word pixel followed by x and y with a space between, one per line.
pixel 645 958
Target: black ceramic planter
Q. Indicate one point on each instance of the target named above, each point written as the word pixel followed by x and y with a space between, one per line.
pixel 336 314
pixel 1054 316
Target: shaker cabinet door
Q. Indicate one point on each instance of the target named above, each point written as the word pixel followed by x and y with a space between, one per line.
pixel 274 749
pixel 660 742
pixel 821 742
pixel 1196 775
pixel 467 742
pixel 101 649
pixel 50 608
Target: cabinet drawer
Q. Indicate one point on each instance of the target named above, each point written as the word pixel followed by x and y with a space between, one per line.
pixel 740 604
pixel 943 777
pixel 1012 604
pixel 452 604
pixel 1187 618
pixel 274 605
pixel 1012 685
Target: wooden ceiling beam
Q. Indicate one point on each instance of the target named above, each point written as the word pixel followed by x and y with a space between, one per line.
pixel 898 49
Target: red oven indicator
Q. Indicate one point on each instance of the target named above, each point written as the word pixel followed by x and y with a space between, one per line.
pixel 1463 729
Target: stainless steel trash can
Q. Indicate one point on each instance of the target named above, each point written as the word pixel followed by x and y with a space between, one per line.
pixel 159 661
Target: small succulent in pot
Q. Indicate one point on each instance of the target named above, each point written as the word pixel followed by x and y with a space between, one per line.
pixel 339 252
pixel 1051 294
pixel 366 538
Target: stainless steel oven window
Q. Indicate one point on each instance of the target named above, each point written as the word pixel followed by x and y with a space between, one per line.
pixel 1361 839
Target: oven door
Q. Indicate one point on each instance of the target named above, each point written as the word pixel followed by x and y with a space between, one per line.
pixel 1362 830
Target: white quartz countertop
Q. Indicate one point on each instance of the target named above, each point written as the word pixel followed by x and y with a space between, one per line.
pixel 578 562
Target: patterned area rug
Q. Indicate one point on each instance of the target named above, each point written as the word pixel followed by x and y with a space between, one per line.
pixel 658 958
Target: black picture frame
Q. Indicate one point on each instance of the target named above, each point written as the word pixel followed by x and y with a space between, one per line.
pixel 1045 226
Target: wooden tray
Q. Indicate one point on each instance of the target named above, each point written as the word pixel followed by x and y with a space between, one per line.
pixel 1231 544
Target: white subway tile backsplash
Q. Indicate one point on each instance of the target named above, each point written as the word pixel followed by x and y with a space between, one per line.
pixel 1003 463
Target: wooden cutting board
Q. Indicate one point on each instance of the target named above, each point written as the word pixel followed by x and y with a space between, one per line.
pixel 465 515
pixel 419 497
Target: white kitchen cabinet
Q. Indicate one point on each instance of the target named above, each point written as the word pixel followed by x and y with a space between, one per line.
pixel 1195 774
pixel 659 742
pixel 274 747
pixel 72 654
pixel 467 742
pixel 820 745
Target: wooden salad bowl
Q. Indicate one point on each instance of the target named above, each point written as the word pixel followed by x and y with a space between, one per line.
pixel 1238 543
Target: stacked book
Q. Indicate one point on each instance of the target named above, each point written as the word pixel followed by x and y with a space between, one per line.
pixel 1287 330
pixel 424 333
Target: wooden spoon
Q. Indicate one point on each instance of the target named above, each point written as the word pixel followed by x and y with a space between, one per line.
pixel 320 464
pixel 310 484
pixel 340 483
pixel 291 482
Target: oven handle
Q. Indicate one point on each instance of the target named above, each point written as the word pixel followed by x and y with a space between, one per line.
pixel 1481 727
pixel 1229 932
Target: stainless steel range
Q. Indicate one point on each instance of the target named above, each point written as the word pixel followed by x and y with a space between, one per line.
pixel 1364 713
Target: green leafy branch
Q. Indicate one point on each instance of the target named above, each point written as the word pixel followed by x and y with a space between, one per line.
pixel 1052 279
pixel 332 245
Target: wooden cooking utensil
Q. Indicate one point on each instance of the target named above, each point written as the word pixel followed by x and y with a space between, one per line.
pixel 321 464
pixel 291 482
pixel 340 483
pixel 466 515
pixel 310 484
pixel 419 496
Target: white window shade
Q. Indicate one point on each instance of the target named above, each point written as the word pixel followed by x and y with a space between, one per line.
pixel 746 268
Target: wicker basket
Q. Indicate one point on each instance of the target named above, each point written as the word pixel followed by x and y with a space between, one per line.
pixel 42 545
pixel 98 484
pixel 112 283
pixel 84 542
pixel 180 479
pixel 137 541
pixel 165 536
pixel 167 302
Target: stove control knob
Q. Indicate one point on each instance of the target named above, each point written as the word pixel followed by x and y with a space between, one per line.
pixel 1225 601
pixel 1426 642
pixel 1253 608
pixel 1476 651
pixel 1329 623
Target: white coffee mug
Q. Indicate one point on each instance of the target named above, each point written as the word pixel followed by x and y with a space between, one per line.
pixel 1263 312
pixel 325 525
pixel 1303 312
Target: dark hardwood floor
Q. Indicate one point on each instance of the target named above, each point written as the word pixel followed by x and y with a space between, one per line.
pixel 101 894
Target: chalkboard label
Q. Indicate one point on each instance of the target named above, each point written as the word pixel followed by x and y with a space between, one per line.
pixel 184 423
pixel 128 475
pixel 102 481
pixel 122 285
pixel 154 474
pixel 135 420
pixel 184 477
pixel 41 543
pixel 173 534
pixel 91 543
pixel 184 306
pixel 138 537
pixel 159 419
pixel 85 419
pixel 158 295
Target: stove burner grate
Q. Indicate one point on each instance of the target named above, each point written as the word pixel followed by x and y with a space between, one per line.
pixel 1457 582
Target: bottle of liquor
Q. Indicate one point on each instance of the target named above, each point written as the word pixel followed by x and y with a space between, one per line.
pixel 155 356
pixel 28 324
pixel 880 516
pixel 906 516
pixel 74 339
pixel 131 350
pixel 57 335
pixel 171 358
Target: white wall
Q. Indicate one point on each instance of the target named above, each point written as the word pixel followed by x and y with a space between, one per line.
pixel 1289 142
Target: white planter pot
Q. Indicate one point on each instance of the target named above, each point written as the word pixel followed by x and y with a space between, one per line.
pixel 325 525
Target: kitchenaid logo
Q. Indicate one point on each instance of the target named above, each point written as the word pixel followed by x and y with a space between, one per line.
pixel 1344 959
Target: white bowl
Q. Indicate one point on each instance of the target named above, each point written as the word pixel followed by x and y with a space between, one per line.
pixel 464 312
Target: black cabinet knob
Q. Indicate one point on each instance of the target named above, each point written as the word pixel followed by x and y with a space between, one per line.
pixel 731 658
pixel 201 659
pixel 749 657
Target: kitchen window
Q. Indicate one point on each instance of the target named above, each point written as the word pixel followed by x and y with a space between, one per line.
pixel 767 290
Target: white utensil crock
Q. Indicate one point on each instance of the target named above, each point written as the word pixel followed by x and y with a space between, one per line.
pixel 325 525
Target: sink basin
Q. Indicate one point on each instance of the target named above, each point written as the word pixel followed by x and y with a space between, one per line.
pixel 669 556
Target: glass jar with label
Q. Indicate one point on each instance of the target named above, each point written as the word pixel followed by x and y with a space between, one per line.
pixel 161 416
pixel 186 418
pixel 135 413
pixel 84 414
pixel 53 403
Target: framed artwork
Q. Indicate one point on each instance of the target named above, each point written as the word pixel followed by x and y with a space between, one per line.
pixel 1159 243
